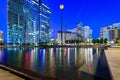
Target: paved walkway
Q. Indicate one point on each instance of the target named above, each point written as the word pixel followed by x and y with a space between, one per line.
pixel 113 58
pixel 5 75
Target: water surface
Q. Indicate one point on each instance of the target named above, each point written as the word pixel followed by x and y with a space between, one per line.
pixel 59 63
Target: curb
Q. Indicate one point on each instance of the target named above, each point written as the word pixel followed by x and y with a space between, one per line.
pixel 18 73
pixel 109 67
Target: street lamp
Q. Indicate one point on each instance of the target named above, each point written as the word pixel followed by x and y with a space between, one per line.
pixel 61 8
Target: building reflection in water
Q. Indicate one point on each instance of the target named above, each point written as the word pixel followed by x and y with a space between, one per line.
pixel 20 58
pixel 42 60
pixel 88 61
pixel 0 55
pixel 68 57
pixel 54 62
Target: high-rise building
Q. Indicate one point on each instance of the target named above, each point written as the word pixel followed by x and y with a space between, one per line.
pixel 37 25
pixel 28 21
pixel 80 29
pixel 1 36
pixel 105 33
pixel 84 31
pixel 110 32
pixel 32 21
pixel 87 33
pixel 45 18
pixel 16 26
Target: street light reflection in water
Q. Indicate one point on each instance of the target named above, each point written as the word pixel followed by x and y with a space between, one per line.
pixel 60 63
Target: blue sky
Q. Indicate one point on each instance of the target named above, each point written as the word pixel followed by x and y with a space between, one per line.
pixel 3 16
pixel 93 13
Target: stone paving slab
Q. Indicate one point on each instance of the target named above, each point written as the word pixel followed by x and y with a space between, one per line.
pixel 6 75
pixel 113 58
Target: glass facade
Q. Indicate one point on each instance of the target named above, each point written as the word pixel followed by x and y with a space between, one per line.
pixel 28 22
pixel 32 21
pixel 45 17
pixel 16 26
pixel 111 32
pixel 118 33
pixel 105 33
pixel 112 35
pixel 80 29
pixel 87 33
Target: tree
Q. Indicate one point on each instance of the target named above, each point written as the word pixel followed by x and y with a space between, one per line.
pixel 93 41
pixel 105 40
pixel 67 41
pixel 97 41
pixel 117 41
pixel 101 40
pixel 1 43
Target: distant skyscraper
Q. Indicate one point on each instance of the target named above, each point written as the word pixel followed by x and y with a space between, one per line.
pixel 1 36
pixel 87 33
pixel 84 31
pixel 80 29
pixel 28 22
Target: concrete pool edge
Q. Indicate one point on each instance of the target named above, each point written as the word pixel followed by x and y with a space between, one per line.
pixel 109 66
pixel 113 57
pixel 17 73
pixel 24 74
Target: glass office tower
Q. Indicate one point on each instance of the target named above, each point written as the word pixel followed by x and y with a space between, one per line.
pixel 45 17
pixel 28 22
pixel 87 33
pixel 32 21
pixel 16 26
pixel 80 29
pixel 1 36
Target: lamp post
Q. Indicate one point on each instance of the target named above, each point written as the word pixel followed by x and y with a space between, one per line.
pixel 61 8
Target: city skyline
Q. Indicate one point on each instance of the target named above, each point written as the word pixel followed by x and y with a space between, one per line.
pixel 59 39
pixel 95 14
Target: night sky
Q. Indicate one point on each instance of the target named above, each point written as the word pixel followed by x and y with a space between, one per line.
pixel 93 13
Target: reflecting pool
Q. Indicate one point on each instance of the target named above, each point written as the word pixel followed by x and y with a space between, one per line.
pixel 60 63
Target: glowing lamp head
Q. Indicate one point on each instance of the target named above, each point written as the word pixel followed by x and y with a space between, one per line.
pixel 61 6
